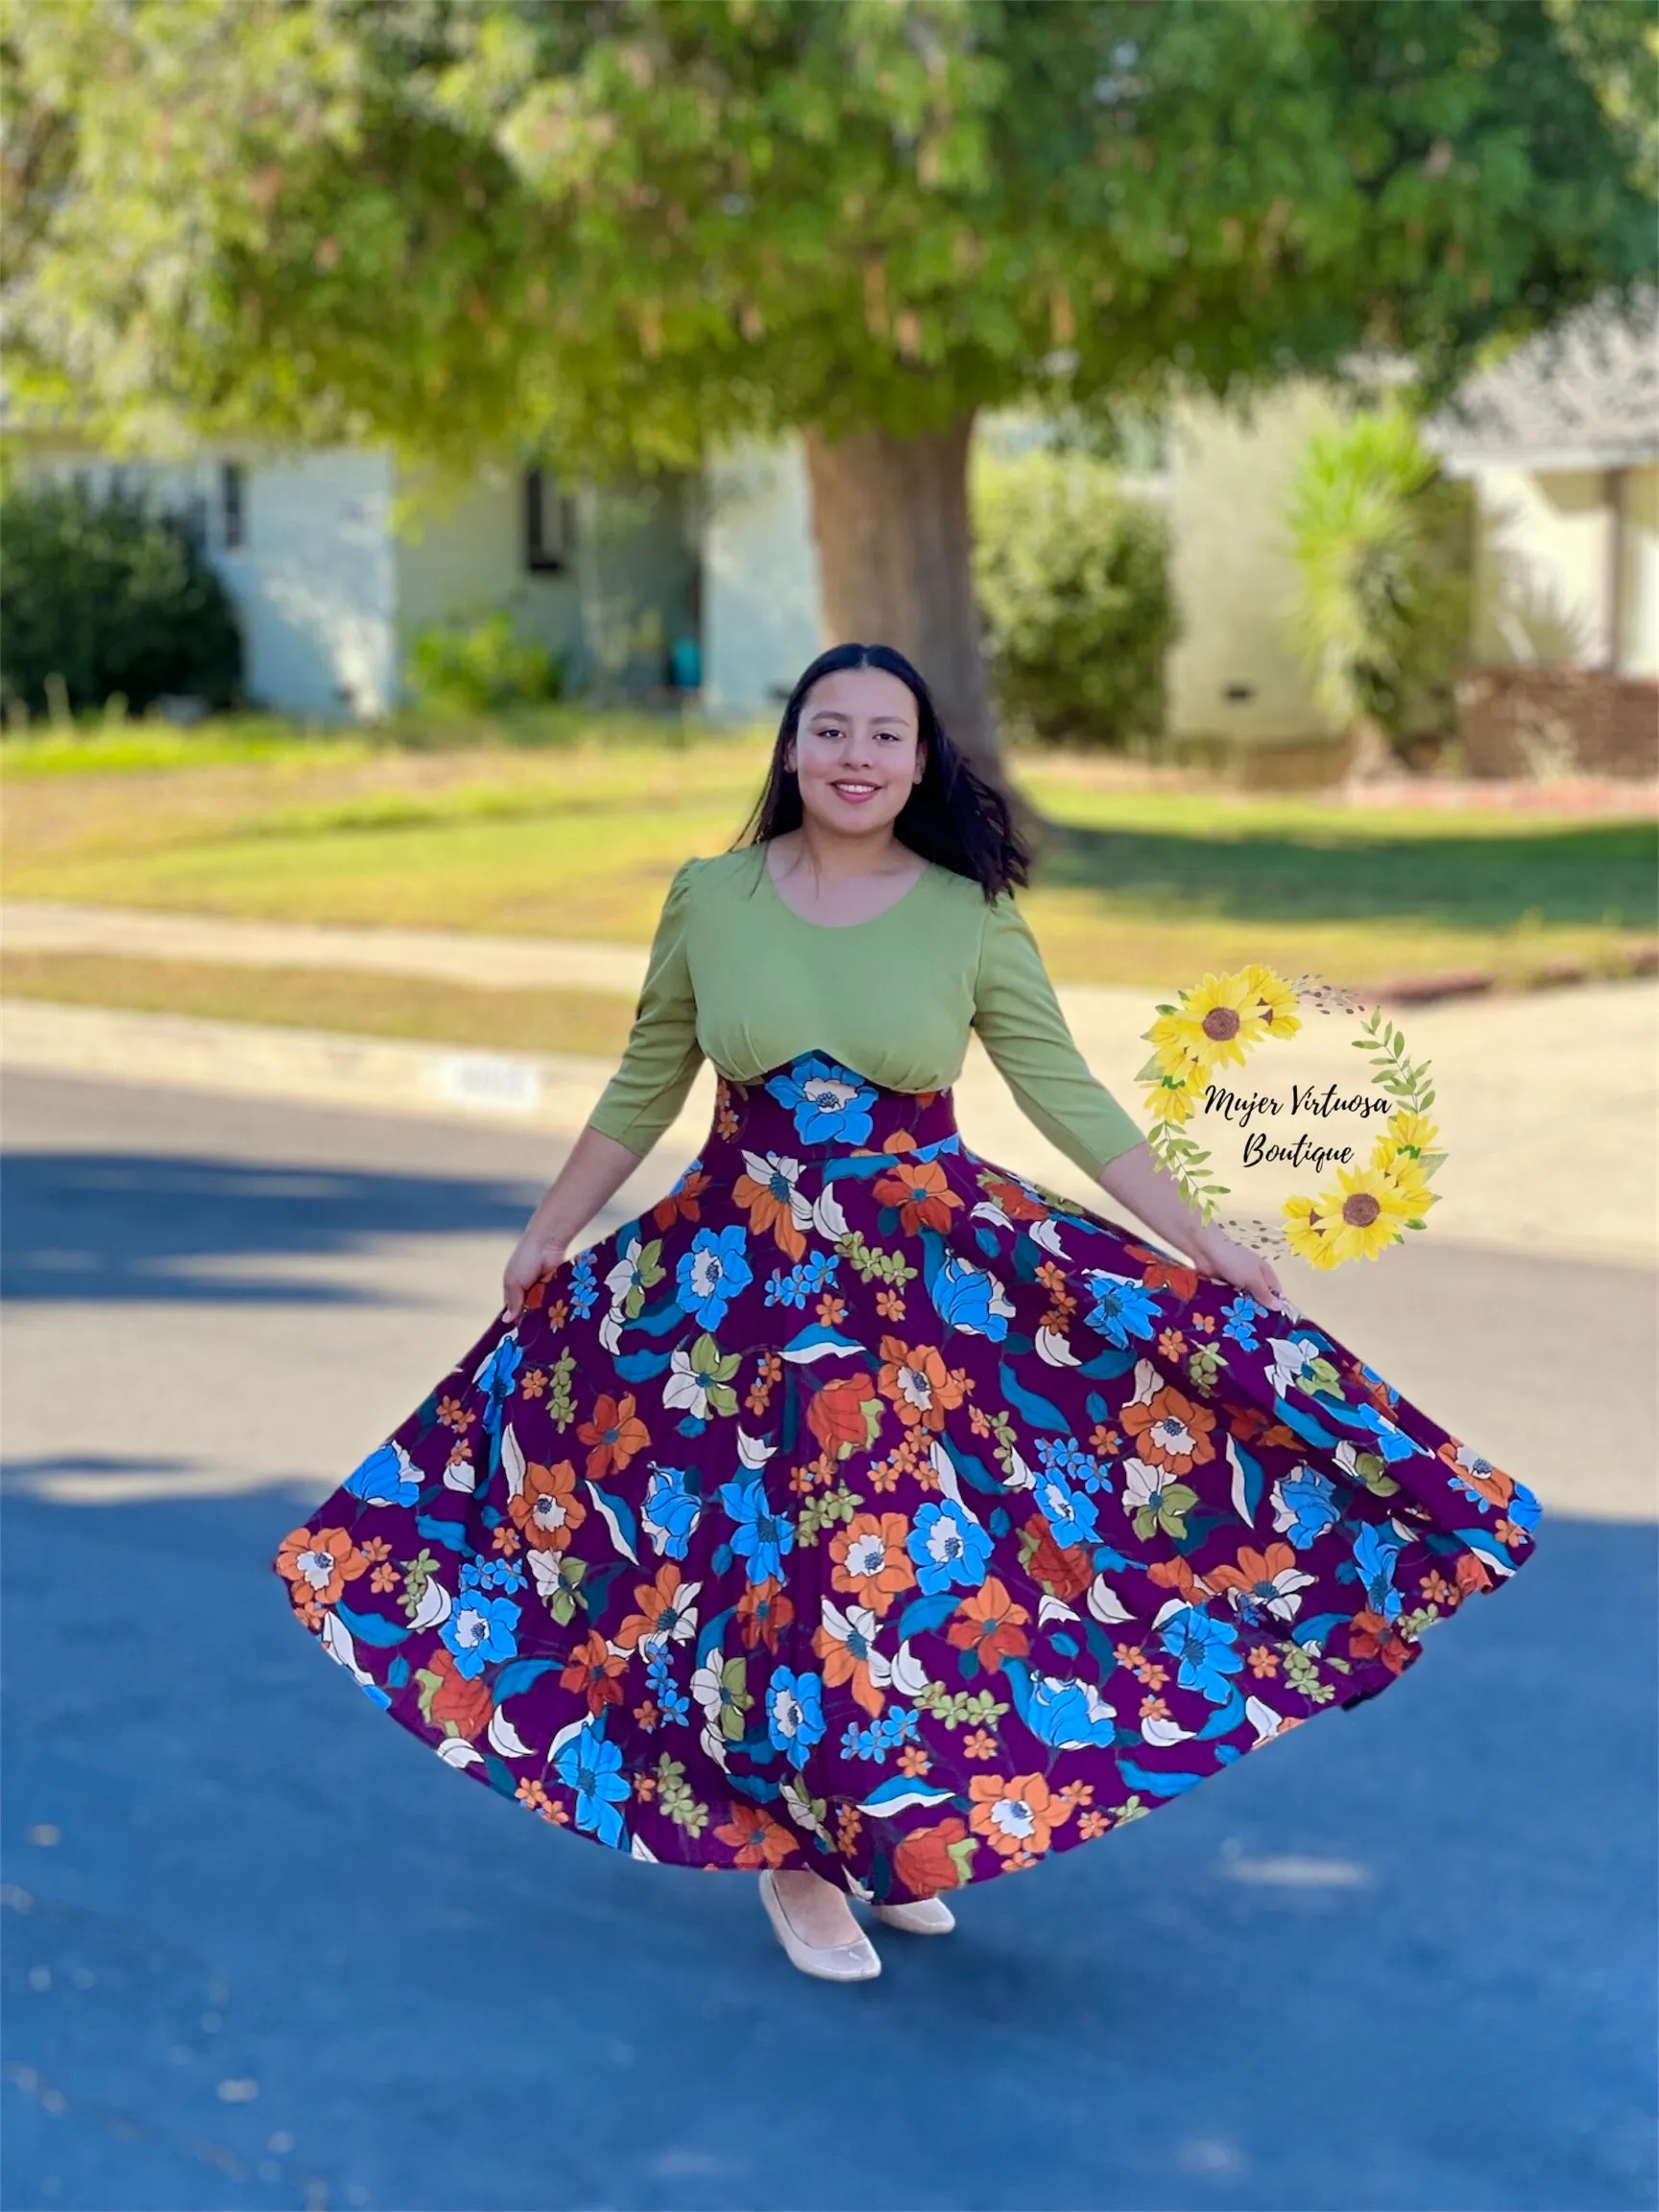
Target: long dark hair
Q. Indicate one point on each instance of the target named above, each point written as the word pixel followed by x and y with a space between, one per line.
pixel 952 816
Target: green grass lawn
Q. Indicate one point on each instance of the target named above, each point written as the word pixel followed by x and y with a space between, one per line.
pixel 590 1023
pixel 1140 881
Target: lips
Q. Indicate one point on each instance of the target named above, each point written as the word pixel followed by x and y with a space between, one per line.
pixel 853 793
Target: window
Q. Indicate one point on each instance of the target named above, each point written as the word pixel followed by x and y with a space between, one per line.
pixel 548 533
pixel 231 515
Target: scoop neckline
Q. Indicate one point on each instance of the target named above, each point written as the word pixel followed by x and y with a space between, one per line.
pixel 838 928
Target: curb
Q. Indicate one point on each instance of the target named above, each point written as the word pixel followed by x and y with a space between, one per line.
pixel 1471 982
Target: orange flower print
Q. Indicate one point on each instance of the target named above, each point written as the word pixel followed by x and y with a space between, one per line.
pixel 836 1415
pixel 1263 1661
pixel 1170 1431
pixel 1370 1637
pixel 1019 1204
pixel 916 1380
pixel 547 1512
pixel 870 1561
pixel 453 1415
pixel 534 1384
pixel 756 1839
pixel 318 1568
pixel 1016 1813
pixel 1270 1580
pixel 762 1611
pixel 846 1643
pixel 831 1311
pixel 1162 1274
pixel 1470 1472
pixel 615 1434
pixel 667 1612
pixel 465 1705
pixel 682 1202
pixel 593 1669
pixel 921 1194
pixel 913 1762
pixel 929 1859
pixel 1171 1344
pixel 890 1305
pixel 771 1201
pixel 990 1624
pixel 979 1744
pixel 1064 1570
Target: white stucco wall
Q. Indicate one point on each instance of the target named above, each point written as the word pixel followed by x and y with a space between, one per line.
pixel 760 619
pixel 1540 566
pixel 1232 570
pixel 1640 626
pixel 314 583
pixel 460 557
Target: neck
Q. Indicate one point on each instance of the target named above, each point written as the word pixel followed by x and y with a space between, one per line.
pixel 836 857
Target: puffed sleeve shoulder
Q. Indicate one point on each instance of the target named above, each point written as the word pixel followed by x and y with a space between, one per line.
pixel 662 1055
pixel 1021 1024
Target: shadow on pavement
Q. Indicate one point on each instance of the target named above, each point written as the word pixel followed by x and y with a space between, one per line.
pixel 261 1949
pixel 134 1226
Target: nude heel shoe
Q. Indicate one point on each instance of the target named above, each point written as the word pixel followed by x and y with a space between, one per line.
pixel 927 1916
pixel 858 1960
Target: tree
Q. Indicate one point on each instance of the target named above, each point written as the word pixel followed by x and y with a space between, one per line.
pixel 609 230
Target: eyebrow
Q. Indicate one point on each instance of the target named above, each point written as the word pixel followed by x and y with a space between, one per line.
pixel 835 714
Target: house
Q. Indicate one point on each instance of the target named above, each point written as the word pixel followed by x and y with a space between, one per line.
pixel 331 593
pixel 1561 442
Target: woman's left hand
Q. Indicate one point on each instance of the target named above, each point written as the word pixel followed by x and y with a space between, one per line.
pixel 1215 1253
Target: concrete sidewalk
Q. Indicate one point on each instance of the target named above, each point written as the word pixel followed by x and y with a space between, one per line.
pixel 1546 1098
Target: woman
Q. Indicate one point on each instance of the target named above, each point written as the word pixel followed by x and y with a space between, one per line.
pixel 861 1514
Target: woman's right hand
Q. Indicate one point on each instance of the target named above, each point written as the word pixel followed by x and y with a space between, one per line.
pixel 535 1255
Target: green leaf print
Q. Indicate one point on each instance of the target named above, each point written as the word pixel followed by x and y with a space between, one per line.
pixel 823 1512
pixel 871 1263
pixel 560 1404
pixel 1166 1509
pixel 961 1708
pixel 736 1698
pixel 417 1573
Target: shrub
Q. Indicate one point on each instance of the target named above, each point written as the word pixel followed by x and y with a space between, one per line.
pixel 101 596
pixel 1383 545
pixel 1073 586
pixel 483 667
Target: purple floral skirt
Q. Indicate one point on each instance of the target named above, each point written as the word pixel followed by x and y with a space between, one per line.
pixel 862 1506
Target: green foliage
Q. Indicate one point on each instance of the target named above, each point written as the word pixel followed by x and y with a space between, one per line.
pixel 616 231
pixel 1382 544
pixel 101 597
pixel 1074 589
pixel 483 667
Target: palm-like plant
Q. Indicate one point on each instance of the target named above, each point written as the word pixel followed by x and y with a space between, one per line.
pixel 1381 543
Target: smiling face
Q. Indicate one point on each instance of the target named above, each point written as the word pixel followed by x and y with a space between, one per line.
pixel 858 751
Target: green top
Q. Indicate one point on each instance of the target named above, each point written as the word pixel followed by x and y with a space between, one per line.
pixel 737 976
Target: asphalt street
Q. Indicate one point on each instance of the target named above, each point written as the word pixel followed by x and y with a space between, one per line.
pixel 261 1949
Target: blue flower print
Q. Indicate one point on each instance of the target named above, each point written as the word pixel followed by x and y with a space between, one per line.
pixel 480 1573
pixel 1205 1649
pixel 388 1476
pixel 1064 1456
pixel 496 1379
pixel 1304 1506
pixel 672 1703
pixel 830 1103
pixel 1238 1319
pixel 591 1766
pixel 671 1512
pixel 795 1713
pixel 584 1283
pixel 480 1630
pixel 1068 1512
pixel 1123 1308
pixel 815 1273
pixel 897 1725
pixel 1376 1548
pixel 968 1299
pixel 762 1536
pixel 1523 1508
pixel 1391 1441
pixel 949 1547
pixel 1069 1714
pixel 711 1275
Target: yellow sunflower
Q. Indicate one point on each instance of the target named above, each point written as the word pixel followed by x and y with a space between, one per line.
pixel 1411 1131
pixel 1370 1210
pixel 1307 1230
pixel 1216 1024
pixel 1173 1102
pixel 1275 998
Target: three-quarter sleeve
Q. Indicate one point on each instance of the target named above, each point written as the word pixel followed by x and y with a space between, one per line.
pixel 1022 1028
pixel 662 1055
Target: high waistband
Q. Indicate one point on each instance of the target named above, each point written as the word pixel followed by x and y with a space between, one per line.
pixel 814 1108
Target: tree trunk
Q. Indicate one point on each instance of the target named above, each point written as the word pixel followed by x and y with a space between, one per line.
pixel 890 517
